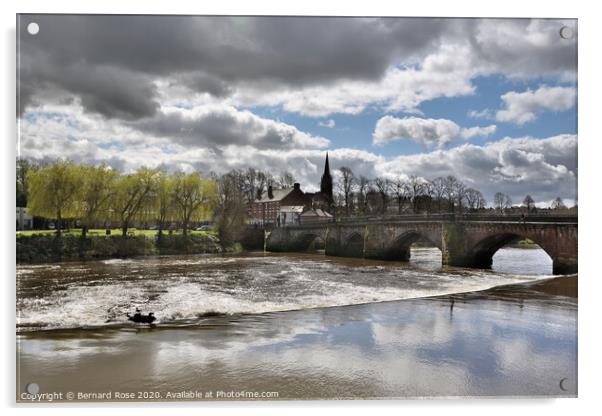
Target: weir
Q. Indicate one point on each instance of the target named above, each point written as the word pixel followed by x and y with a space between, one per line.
pixel 467 241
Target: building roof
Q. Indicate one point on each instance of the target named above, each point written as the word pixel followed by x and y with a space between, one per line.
pixel 316 213
pixel 292 208
pixel 277 195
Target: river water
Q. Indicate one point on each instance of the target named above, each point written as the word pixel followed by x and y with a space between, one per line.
pixel 185 289
pixel 303 325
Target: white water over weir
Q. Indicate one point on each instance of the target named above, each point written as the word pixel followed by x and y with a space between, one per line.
pixel 185 289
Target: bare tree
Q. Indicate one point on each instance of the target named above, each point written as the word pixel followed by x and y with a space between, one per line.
pixel 383 186
pixel 508 201
pixel 255 182
pixel 286 180
pixel 437 189
pixel 346 185
pixel 501 201
pixel 558 203
pixel 415 189
pixel 474 199
pixel 452 190
pixel 232 208
pixel 498 201
pixel 400 191
pixel 529 203
pixel 363 187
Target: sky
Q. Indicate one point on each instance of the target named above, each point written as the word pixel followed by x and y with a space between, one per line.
pixel 491 101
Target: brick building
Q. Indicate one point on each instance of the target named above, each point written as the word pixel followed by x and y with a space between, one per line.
pixel 266 208
pixel 286 206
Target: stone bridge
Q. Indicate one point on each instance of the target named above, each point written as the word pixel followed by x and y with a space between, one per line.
pixel 464 242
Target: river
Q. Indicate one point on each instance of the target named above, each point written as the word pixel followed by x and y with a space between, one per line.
pixel 303 325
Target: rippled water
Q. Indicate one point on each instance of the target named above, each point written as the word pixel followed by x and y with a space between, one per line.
pixel 185 289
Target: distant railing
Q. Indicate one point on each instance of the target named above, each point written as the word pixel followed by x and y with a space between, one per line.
pixel 450 217
pixel 543 217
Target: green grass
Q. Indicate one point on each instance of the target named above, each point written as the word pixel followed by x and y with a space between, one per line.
pixel 114 231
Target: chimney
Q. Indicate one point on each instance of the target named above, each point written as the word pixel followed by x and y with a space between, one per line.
pixel 297 186
pixel 270 193
pixel 259 193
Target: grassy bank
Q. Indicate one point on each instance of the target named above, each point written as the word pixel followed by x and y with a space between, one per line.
pixel 46 247
pixel 114 232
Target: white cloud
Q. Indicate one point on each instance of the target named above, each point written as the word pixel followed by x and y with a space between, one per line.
pixel 477 131
pixel 545 168
pixel 427 132
pixel 328 123
pixel 445 72
pixel 486 114
pixel 523 107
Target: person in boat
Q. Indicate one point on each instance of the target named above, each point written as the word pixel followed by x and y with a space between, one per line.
pixel 139 318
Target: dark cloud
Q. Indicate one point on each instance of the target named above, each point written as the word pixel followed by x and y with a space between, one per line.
pixel 111 61
pixel 223 126
pixel 290 49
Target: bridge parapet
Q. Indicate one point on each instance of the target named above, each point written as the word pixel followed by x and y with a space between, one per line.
pixel 468 242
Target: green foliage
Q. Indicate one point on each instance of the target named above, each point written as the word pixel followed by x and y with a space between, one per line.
pixel 193 197
pixel 53 191
pixel 133 196
pixel 94 196
pixel 101 196
pixel 23 167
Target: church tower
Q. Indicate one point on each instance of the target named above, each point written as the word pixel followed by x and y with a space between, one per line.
pixel 326 182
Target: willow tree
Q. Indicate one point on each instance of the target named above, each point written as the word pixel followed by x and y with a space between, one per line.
pixel 193 197
pixel 98 186
pixel 133 193
pixel 164 204
pixel 53 191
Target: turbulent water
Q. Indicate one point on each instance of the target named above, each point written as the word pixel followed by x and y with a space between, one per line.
pixel 183 290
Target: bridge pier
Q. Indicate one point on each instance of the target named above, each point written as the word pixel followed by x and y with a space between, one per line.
pixel 463 243
pixel 474 245
pixel 289 239
pixel 564 266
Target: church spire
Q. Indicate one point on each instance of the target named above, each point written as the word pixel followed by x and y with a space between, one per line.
pixel 326 182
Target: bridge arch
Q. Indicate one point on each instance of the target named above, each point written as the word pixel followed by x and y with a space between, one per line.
pixel 354 245
pixel 481 254
pixel 399 248
pixel 310 241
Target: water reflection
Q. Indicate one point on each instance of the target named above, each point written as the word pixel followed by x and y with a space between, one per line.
pixel 392 349
pixel 533 260
pixel 306 326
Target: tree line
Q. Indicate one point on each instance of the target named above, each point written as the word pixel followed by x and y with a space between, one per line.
pixel 359 195
pixel 100 195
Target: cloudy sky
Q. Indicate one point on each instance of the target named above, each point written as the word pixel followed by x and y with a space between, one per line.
pixel 491 101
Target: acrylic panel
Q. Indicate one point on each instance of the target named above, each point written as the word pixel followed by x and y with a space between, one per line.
pixel 227 208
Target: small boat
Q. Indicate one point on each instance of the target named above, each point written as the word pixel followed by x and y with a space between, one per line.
pixel 139 318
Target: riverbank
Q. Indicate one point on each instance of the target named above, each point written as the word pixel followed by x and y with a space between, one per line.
pixel 42 248
pixel 508 341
